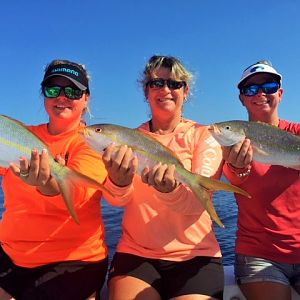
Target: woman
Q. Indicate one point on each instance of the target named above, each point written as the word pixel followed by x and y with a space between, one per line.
pixel 268 235
pixel 44 254
pixel 168 248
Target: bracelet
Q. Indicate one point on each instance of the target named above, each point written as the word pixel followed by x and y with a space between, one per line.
pixel 244 174
pixel 236 171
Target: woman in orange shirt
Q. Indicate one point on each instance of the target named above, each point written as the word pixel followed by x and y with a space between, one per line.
pixel 168 248
pixel 44 254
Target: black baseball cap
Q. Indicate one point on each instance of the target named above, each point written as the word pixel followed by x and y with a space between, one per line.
pixel 69 71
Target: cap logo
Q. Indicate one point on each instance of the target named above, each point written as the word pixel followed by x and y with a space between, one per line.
pixel 66 70
pixel 256 69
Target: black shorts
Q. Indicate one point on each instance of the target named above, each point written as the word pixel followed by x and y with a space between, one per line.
pixel 200 275
pixel 76 280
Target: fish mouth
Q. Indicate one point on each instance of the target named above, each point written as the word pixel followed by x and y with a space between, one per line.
pixel 214 129
pixel 86 132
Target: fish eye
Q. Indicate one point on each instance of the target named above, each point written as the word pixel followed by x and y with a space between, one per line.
pixel 227 127
pixel 98 130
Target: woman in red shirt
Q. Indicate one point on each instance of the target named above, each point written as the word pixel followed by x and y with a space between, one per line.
pixel 268 236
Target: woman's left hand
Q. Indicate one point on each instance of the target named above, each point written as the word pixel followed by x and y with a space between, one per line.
pixel 161 177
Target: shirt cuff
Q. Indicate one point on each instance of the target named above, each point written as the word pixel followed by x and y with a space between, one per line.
pixel 118 191
pixel 171 196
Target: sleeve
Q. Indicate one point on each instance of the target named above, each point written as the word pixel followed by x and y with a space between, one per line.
pixel 234 175
pixel 3 171
pixel 206 161
pixel 122 195
pixel 290 126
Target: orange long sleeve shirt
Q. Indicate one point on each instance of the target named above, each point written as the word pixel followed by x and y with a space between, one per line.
pixel 172 226
pixel 37 229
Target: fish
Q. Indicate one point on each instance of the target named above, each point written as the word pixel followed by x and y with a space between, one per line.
pixel 149 152
pixel 16 140
pixel 271 145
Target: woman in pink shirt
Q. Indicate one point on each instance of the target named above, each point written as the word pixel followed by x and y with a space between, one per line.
pixel 268 235
pixel 168 248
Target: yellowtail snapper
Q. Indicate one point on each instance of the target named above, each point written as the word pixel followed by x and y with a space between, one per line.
pixel 16 140
pixel 149 152
pixel 271 145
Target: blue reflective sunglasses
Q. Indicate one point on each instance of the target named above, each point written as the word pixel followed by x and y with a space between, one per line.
pixel 267 88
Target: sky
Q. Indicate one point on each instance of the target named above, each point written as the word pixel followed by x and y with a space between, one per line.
pixel 215 39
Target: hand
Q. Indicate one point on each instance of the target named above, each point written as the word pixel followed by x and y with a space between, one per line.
pixel 239 155
pixel 161 177
pixel 121 164
pixel 37 172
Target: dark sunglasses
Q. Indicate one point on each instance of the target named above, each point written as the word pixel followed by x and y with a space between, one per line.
pixel 160 83
pixel 267 88
pixel 55 91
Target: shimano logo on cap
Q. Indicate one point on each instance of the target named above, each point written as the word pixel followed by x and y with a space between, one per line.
pixel 65 70
pixel 258 68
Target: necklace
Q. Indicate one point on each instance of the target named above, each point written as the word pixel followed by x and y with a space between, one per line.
pixel 160 131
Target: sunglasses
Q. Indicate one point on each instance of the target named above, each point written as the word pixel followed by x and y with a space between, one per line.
pixel 55 91
pixel 159 83
pixel 267 88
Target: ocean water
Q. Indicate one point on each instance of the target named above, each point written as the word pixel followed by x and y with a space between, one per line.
pixel 225 206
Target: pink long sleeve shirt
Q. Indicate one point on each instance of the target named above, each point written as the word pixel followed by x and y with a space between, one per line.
pixel 171 226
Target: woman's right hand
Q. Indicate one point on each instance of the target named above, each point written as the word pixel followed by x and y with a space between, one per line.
pixel 239 155
pixel 121 164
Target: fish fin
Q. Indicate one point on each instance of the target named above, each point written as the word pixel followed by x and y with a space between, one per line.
pixel 66 191
pixel 203 186
pixel 14 120
pixel 218 185
pixel 204 196
pixel 71 177
pixel 260 151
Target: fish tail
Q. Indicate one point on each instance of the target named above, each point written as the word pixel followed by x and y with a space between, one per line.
pixel 204 186
pixel 212 184
pixel 204 197
pixel 67 180
pixel 66 188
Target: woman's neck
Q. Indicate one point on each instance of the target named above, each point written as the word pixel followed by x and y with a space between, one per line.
pixel 163 126
pixel 55 127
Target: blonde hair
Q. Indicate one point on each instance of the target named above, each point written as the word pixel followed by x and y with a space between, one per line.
pixel 177 69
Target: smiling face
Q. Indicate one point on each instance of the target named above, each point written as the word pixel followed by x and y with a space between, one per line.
pixel 62 109
pixel 261 106
pixel 166 102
